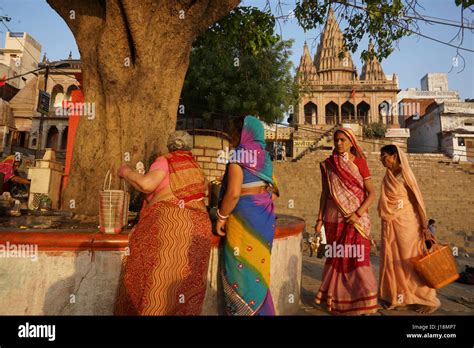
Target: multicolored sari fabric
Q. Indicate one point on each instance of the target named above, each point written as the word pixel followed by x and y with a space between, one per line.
pixel 249 236
pixel 253 156
pixel 348 285
pixel 166 271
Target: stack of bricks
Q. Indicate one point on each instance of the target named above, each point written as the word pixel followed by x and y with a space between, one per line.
pixel 206 150
pixel 207 159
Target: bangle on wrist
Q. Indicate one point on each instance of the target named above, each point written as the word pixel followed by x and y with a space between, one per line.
pixel 222 217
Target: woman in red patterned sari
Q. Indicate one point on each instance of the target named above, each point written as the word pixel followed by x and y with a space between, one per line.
pixel 348 285
pixel 166 271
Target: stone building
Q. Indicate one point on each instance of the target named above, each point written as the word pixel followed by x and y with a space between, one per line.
pixel 447 128
pixel 20 55
pixel 332 92
pixel 417 103
pixel 60 84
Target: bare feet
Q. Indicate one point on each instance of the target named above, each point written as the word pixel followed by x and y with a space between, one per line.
pixel 401 308
pixel 396 307
pixel 426 309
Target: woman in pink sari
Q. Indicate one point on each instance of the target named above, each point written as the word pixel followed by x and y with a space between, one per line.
pixel 348 285
pixel 404 228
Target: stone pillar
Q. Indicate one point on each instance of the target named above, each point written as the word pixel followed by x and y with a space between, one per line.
pixel 60 137
pixel 321 110
pixel 301 112
pixel 44 136
pixel 396 123
pixel 356 117
pixel 374 110
pixel 339 111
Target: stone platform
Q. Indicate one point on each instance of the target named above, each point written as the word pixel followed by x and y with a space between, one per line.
pixel 456 298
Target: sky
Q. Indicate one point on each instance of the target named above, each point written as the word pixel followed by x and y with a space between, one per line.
pixel 412 59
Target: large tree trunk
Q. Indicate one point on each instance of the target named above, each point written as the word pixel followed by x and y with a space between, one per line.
pixel 134 59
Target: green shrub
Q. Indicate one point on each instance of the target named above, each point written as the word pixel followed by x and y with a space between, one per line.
pixel 375 130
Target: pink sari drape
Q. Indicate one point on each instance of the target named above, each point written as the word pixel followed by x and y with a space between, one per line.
pixel 403 215
pixel 348 285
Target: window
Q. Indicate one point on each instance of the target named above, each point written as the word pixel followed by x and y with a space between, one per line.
pixel 467 123
pixel 461 142
pixel 20 139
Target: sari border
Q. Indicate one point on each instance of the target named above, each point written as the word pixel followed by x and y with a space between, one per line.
pixel 336 308
pixel 322 295
pixel 244 308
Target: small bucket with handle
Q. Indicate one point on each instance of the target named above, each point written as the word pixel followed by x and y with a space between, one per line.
pixel 113 207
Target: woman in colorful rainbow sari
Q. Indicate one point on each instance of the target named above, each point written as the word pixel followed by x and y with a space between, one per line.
pixel 166 271
pixel 348 285
pixel 247 220
pixel 404 230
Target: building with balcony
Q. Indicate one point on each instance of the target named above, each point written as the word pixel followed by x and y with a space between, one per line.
pixel 54 126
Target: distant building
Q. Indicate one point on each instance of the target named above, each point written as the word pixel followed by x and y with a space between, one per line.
pixel 61 83
pixel 20 55
pixel 447 128
pixel 417 103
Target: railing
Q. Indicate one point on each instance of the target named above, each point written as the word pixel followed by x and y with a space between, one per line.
pixel 316 145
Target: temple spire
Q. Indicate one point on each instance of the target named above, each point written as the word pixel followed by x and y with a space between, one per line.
pixel 372 69
pixel 333 61
pixel 306 69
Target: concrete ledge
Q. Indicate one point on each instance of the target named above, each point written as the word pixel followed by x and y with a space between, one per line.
pixel 76 273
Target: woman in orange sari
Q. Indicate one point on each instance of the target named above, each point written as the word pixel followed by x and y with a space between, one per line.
pixel 348 285
pixel 166 271
pixel 404 229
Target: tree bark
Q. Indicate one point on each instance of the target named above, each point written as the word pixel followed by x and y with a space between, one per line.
pixel 134 56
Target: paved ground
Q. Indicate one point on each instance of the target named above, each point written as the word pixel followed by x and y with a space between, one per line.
pixel 456 298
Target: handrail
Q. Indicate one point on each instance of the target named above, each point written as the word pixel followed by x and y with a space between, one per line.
pixel 315 146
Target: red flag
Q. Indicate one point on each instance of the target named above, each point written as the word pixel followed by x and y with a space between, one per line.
pixel 353 93
pixel 2 81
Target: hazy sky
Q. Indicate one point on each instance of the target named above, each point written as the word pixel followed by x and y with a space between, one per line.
pixel 414 57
